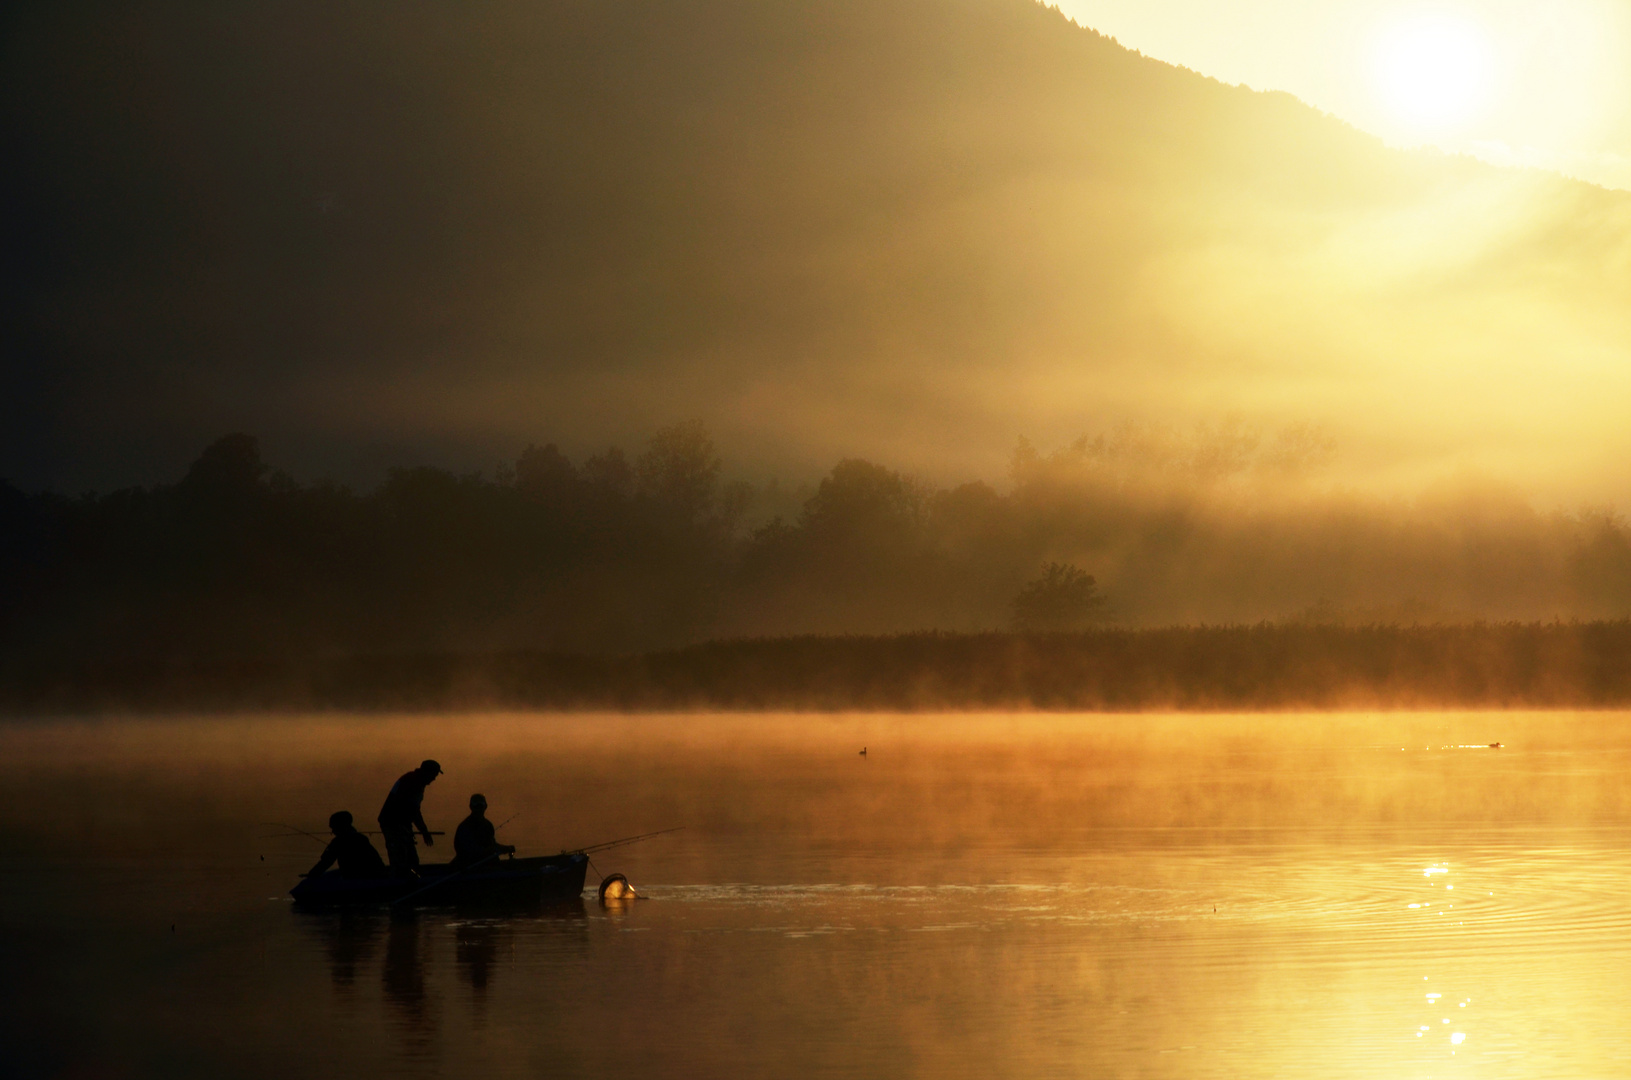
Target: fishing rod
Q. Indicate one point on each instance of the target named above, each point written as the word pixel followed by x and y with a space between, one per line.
pixel 439 882
pixel 608 845
pixel 295 830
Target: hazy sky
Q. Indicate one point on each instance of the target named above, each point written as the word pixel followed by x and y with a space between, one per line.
pixel 906 230
pixel 1514 81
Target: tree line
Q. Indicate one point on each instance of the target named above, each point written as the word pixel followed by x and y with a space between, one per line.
pixel 621 553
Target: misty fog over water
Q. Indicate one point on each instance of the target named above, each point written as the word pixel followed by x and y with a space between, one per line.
pixel 996 895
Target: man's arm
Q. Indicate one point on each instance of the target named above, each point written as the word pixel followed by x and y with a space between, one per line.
pixel 329 855
pixel 493 845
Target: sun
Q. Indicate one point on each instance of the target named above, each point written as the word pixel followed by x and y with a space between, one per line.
pixel 1434 72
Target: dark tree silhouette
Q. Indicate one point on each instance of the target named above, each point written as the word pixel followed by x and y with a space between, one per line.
pixel 546 475
pixel 1065 597
pixel 863 501
pixel 235 563
pixel 609 474
pixel 231 465
pixel 680 470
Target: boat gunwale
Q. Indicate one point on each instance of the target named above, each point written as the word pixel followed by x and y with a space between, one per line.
pixel 448 885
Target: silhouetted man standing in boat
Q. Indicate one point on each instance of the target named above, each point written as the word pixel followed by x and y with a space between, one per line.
pixel 401 815
pixel 350 848
pixel 476 838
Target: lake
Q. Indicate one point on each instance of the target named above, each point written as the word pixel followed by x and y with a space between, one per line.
pixel 1297 895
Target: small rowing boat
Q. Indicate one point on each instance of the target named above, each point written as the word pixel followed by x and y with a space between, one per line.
pixel 506 882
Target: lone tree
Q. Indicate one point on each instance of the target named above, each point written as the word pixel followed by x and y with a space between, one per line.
pixel 1063 598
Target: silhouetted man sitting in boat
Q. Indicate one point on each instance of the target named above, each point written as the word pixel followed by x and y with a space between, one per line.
pixel 476 838
pixel 401 815
pixel 350 849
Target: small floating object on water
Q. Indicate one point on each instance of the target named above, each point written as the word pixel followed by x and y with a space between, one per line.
pixel 863 751
pixel 1494 746
pixel 616 887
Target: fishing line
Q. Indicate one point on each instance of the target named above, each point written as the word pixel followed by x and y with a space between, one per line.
pixel 293 831
pixel 608 845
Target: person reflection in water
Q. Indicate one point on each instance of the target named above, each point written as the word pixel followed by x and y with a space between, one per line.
pixel 476 839
pixel 349 938
pixel 350 849
pixel 475 948
pixel 403 980
pixel 401 814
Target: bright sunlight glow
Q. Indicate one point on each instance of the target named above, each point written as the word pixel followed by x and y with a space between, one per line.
pixel 1434 72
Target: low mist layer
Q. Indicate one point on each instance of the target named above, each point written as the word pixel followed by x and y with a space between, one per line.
pixel 1264 668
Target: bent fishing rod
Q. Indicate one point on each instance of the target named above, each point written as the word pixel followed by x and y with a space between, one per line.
pixel 584 851
pixel 608 845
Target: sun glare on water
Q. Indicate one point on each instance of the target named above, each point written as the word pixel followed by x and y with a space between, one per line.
pixel 1435 72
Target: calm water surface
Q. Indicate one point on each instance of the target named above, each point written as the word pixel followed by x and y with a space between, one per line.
pixel 1094 896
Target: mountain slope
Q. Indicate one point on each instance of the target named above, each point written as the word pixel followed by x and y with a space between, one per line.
pixel 908 229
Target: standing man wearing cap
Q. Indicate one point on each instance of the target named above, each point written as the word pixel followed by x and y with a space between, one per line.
pixel 401 815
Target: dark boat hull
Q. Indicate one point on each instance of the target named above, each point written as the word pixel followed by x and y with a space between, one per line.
pixel 500 883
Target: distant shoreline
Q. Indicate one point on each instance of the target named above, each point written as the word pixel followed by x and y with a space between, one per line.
pixel 1263 667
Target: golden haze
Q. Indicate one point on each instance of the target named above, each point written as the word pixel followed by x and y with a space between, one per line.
pixel 910 231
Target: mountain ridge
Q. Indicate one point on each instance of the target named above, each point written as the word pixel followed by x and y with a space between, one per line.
pixel 910 229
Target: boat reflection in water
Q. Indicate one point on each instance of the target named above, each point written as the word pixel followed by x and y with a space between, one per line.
pixel 351 913
pixel 350 939
pixel 415 943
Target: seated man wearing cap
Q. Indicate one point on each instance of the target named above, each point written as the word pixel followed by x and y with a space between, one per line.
pixel 401 815
pixel 476 838
pixel 350 848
